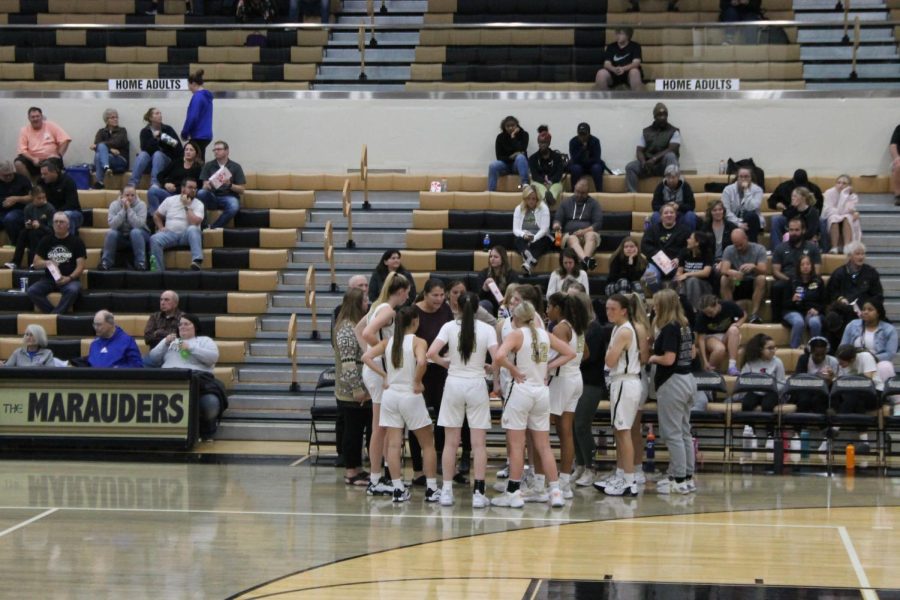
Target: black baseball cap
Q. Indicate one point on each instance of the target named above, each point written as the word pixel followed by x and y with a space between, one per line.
pixel 584 128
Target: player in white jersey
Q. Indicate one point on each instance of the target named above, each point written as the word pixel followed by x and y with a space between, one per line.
pixel 465 393
pixel 566 386
pixel 528 406
pixel 374 328
pixel 402 403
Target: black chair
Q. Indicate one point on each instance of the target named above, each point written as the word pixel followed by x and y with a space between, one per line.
pixel 75 325
pixel 863 393
pixel 804 410
pixel 710 423
pixel 891 423
pixel 323 415
pixel 749 383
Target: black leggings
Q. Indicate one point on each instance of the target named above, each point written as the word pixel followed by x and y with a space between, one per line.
pixel 767 400
pixel 810 403
pixel 210 409
pixel 849 402
pixel 357 419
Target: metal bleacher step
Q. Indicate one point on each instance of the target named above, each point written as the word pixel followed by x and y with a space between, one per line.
pixel 378 73
pixel 843 70
pixel 385 38
pixel 307 374
pixel 384 20
pixel 829 5
pixel 232 428
pixel 362 238
pixel 833 16
pixel 845 53
pixel 366 259
pixel 835 35
pixel 320 349
pixel 393 6
pixel 373 56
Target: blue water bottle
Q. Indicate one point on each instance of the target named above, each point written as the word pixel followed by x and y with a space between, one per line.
pixel 804 444
pixel 487 242
pixel 650 464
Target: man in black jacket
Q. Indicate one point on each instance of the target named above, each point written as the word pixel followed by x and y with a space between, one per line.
pixel 62 193
pixel 850 286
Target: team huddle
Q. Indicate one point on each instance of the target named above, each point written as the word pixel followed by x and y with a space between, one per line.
pixel 538 378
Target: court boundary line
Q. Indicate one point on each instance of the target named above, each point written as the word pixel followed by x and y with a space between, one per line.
pixel 28 522
pixel 866 588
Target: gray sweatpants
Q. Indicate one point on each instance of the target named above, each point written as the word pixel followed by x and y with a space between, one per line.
pixel 674 399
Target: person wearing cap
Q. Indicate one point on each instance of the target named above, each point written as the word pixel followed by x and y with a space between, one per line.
pixel 547 168
pixel 39 140
pixel 15 194
pixel 585 156
pixel 511 149
pixel 622 63
pixel 658 147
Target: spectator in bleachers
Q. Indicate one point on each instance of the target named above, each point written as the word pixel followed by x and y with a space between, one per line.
pixel 531 226
pixel 658 147
pixel 626 267
pixel 159 146
pixel 815 361
pixel 178 221
pixel 780 199
pixel 579 219
pixel 547 168
pixel 874 333
pixel 38 225
pixel 744 262
pixel 62 256
pixel 840 215
pixel 39 140
pixel 718 328
pixel 188 349
pixel 15 194
pixel 801 207
pixel 389 263
pixel 894 149
pixel 127 219
pixel 33 352
pixel 511 149
pixel 849 287
pixel 786 259
pixel 759 357
pixel 223 183
pixel 804 301
pixel 198 121
pixel 855 361
pixel 621 63
pixel 62 193
pixel 110 147
pixel 162 323
pixel 675 189
pixel 498 273
pixel 569 268
pixel 585 156
pixel 668 238
pixel 742 200
pixel 719 227
pixel 171 177
pixel 112 348
pixel 356 282
pixel 731 11
pixel 695 268
pixel 455 290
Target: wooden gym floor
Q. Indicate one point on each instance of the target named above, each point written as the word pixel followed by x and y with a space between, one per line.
pixel 276 528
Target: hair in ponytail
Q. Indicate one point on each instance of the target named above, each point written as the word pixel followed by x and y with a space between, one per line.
pixel 393 283
pixel 468 304
pixel 402 320
pixel 576 313
pixel 524 314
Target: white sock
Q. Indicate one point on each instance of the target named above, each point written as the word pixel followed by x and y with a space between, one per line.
pixel 398 484
pixel 864 437
pixel 448 486
pixel 374 477
pixel 554 485
pixel 620 472
pixel 564 478
pixel 539 481
pixel 431 484
pixel 629 478
pixel 732 363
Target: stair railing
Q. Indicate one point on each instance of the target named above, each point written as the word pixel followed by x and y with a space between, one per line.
pixel 292 351
pixel 347 203
pixel 329 254
pixel 364 176
pixel 310 300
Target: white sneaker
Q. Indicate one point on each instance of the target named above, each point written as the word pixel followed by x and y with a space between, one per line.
pixel 10 265
pixel 770 444
pixel 640 478
pixel 577 472
pixel 601 484
pixel 586 479
pixel 566 487
pixel 446 498
pixel 670 486
pixel 556 498
pixel 535 495
pixel 618 487
pixel 382 488
pixel 500 486
pixel 509 500
pixel 432 495
pixel 479 500
pixel 691 484
pixel 400 495
pixel 503 473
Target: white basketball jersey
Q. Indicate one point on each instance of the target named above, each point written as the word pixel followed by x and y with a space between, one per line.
pixel 535 371
pixel 401 378
pixel 630 360
pixel 573 367
pixel 485 337
pixel 385 332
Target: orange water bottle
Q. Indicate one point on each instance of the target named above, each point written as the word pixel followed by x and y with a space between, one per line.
pixel 850 457
pixel 557 240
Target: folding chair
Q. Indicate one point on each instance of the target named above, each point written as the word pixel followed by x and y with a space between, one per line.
pixel 714 417
pixel 807 389
pixel 747 383
pixel 323 430
pixel 891 423
pixel 863 388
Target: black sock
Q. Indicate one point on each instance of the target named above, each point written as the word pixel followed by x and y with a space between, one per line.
pixel 479 486
pixel 679 480
pixel 512 486
pixel 689 477
pixel 387 473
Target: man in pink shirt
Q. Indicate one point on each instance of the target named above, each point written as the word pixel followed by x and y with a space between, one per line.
pixel 39 140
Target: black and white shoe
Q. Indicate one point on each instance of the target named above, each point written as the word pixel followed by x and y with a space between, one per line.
pixel 431 495
pixel 402 495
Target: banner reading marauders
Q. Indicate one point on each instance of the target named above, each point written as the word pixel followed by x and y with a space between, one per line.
pixel 98 405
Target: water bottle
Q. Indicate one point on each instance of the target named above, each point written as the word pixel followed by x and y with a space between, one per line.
pixel 154 266
pixel 650 463
pixel 168 139
pixel 443 185
pixel 722 167
pixel 487 242
pixel 804 444
pixel 749 440
pixel 800 291
pixel 850 457
pixel 557 239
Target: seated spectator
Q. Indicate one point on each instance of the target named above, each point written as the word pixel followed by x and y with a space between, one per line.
pixel 113 348
pixel 850 286
pixel 717 225
pixel 621 63
pixel 569 268
pixel 178 221
pixel 38 141
pixel 804 304
pixel 159 146
pixel 585 156
pixel 732 11
pixel 531 226
pixel 815 361
pixel 800 208
pixel 780 199
pixel 223 183
pixel 390 263
pixel 547 168
pixel 894 149
pixel 110 147
pixel 855 361
pixel 742 200
pixel 498 273
pixel 874 333
pixel 658 148
pixel 15 194
pixel 456 289
pixel 162 323
pixel 626 267
pixel 744 263
pixel 718 328
pixel 664 242
pixel 511 149
pixel 678 191
pixel 62 256
pixel 171 177
pixel 190 350
pixel 38 225
pixel 33 352
pixel 579 218
pixel 127 219
pixel 840 215
pixel 197 126
pixel 695 268
pixel 759 357
pixel 62 193
pixel 786 259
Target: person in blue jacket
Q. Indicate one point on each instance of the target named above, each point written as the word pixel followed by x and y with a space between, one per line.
pixel 113 348
pixel 198 122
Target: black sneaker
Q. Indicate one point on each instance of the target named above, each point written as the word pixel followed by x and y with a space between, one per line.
pixel 403 495
pixel 430 495
pixel 97 186
pixel 103 266
pixel 755 319
pixel 592 263
pixel 195 265
pixel 419 481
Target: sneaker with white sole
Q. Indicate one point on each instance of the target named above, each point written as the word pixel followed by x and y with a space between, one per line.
pixel 566 487
pixel 577 472
pixel 586 478
pixel 691 484
pixel 10 265
pixel 670 486
pixel 619 487
pixel 446 497
pixel 556 498
pixel 640 478
pixel 401 495
pixel 509 500
pixel 499 486
pixel 382 488
pixel 479 500
pixel 535 495
pixel 432 495
pixel 601 484
pixel 503 473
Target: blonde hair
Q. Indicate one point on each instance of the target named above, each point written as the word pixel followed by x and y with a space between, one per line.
pixel 393 282
pixel 638 312
pixel 528 190
pixel 668 309
pixel 524 314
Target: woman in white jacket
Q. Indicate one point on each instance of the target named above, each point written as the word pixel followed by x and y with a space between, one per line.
pixel 742 200
pixel 531 226
pixel 839 210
